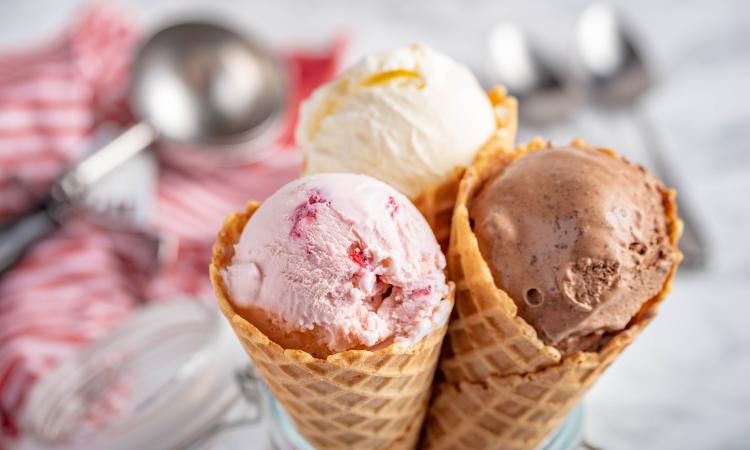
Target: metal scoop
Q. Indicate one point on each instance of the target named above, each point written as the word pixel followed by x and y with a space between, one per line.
pixel 193 84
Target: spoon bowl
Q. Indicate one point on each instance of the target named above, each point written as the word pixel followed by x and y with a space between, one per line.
pixel 516 63
pixel 200 83
pixel 609 61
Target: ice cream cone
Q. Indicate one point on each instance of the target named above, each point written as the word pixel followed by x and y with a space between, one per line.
pixel 354 399
pixel 501 387
pixel 436 202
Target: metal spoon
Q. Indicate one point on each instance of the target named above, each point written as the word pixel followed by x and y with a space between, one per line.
pixel 516 63
pixel 616 76
pixel 193 84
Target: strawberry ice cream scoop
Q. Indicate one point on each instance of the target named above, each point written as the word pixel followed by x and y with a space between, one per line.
pixel 335 262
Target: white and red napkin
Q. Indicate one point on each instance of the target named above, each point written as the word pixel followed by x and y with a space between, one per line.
pixel 78 283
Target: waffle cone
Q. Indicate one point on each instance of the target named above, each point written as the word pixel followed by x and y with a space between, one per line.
pixel 501 387
pixel 436 202
pixel 356 399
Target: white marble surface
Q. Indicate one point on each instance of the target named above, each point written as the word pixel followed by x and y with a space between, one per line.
pixel 684 384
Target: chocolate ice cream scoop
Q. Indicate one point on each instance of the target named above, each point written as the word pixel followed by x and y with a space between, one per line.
pixel 578 238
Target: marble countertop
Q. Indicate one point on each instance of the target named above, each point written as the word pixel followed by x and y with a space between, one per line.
pixel 685 383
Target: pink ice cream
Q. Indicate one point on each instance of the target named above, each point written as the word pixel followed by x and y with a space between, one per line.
pixel 335 262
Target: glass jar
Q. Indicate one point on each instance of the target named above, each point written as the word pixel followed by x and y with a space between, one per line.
pixel 163 379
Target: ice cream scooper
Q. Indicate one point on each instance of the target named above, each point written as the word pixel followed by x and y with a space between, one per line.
pixel 194 85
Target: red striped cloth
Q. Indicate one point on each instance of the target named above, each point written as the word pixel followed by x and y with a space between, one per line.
pixel 78 283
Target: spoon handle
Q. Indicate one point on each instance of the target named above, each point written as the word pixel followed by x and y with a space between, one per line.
pixel 692 243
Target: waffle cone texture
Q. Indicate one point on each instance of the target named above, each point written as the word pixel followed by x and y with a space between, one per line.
pixel 500 386
pixel 356 399
pixel 436 202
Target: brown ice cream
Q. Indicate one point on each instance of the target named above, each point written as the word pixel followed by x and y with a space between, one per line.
pixel 578 238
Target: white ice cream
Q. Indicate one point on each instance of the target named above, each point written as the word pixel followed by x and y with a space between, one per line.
pixel 407 117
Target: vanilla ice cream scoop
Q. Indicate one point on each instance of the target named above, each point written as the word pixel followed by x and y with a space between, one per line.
pixel 334 262
pixel 407 117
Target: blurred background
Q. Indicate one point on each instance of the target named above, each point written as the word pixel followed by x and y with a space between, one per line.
pixel 63 71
